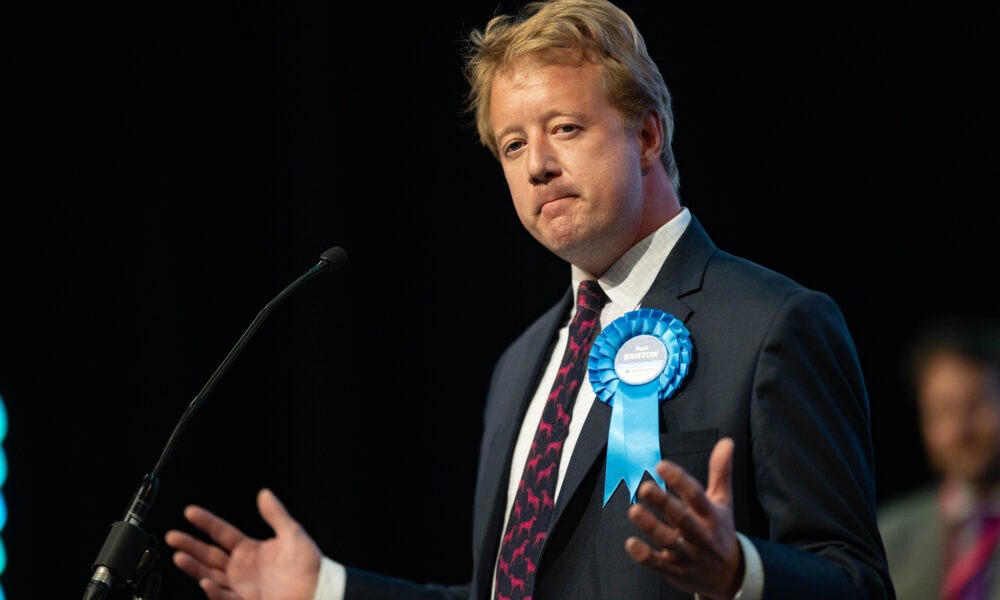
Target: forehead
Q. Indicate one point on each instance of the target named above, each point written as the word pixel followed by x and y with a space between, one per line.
pixel 535 81
pixel 951 375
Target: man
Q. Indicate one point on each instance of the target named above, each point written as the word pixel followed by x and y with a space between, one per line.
pixel 757 402
pixel 942 537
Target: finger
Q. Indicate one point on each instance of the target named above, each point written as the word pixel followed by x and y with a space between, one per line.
pixel 670 507
pixel 665 502
pixel 642 552
pixel 687 488
pixel 196 569
pixel 274 512
pixel 652 525
pixel 720 469
pixel 690 510
pixel 660 560
pixel 221 531
pixel 215 591
pixel 212 556
pixel 669 538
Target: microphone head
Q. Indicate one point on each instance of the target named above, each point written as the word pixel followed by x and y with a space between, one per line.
pixel 333 259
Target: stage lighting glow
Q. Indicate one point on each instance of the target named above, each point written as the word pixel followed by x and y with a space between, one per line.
pixel 3 501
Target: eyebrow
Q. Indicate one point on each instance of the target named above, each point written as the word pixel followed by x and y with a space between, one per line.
pixel 548 116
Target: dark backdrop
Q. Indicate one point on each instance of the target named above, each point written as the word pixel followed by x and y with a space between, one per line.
pixel 175 165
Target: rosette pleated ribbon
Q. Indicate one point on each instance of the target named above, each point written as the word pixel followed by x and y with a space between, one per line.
pixel 638 361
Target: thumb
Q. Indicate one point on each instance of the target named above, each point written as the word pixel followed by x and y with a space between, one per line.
pixel 274 512
pixel 720 472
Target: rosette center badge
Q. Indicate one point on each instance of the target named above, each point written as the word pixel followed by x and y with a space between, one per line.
pixel 638 361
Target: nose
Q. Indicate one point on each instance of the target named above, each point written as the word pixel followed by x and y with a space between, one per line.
pixel 542 163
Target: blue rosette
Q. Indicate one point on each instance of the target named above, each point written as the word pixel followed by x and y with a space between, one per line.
pixel 637 361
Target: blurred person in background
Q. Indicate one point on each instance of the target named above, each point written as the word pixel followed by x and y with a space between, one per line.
pixel 941 537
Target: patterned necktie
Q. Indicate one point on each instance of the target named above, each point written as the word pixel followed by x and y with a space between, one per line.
pixel 529 517
pixel 965 578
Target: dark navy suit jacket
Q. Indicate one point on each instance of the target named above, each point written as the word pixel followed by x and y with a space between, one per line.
pixel 775 368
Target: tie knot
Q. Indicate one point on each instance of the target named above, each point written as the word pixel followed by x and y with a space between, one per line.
pixel 590 296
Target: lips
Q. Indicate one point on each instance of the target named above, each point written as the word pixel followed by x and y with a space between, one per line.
pixel 555 196
pixel 554 205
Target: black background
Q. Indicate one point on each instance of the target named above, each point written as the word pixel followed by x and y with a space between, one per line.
pixel 173 166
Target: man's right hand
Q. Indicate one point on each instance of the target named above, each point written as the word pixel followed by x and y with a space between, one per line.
pixel 238 567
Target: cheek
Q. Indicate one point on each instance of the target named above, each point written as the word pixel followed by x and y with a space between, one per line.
pixel 518 193
pixel 988 425
pixel 938 432
pixel 610 191
pixel 525 210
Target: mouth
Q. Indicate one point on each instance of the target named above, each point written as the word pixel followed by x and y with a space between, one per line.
pixel 556 206
pixel 556 197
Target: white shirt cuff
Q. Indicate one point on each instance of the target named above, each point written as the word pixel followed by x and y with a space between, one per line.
pixel 332 581
pixel 753 571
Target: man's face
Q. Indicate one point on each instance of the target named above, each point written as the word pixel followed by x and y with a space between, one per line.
pixel 960 416
pixel 574 172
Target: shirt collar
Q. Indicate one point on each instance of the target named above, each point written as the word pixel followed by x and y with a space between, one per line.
pixel 959 502
pixel 630 277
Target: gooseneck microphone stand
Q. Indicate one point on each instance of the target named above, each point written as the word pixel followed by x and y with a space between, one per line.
pixel 128 554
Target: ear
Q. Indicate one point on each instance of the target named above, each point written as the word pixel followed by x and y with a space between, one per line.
pixel 650 139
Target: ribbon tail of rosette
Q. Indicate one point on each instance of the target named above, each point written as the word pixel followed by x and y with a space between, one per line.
pixel 642 432
pixel 633 438
pixel 616 470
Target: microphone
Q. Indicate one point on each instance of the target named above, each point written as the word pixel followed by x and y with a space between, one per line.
pixel 128 553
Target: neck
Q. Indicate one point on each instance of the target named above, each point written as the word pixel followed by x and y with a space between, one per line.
pixel 661 202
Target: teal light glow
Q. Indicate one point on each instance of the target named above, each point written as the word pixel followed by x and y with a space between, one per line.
pixel 3 501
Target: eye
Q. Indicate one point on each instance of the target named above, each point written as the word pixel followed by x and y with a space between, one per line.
pixel 512 147
pixel 565 128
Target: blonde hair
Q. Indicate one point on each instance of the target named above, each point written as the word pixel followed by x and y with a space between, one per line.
pixel 601 32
